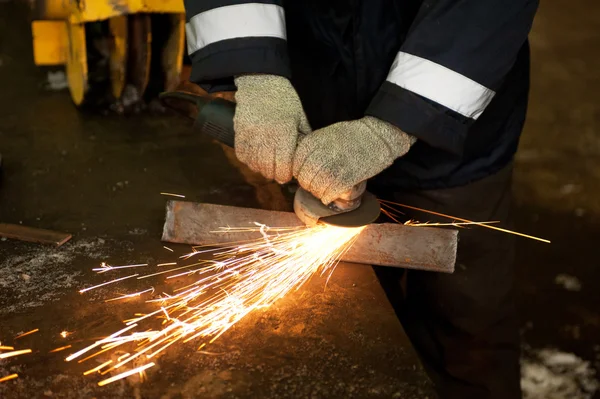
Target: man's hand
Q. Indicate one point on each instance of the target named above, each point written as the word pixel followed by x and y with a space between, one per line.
pixel 268 118
pixel 330 161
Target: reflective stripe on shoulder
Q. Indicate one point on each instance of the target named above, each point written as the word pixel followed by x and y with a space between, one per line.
pixel 233 22
pixel 440 84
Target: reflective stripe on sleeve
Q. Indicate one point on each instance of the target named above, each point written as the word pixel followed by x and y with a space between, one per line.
pixel 233 22
pixel 440 84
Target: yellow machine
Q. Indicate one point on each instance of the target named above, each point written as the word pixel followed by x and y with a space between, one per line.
pixel 119 33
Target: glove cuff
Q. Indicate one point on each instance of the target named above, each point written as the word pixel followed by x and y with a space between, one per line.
pixel 262 82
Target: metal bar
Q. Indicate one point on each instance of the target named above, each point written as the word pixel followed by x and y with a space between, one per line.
pixel 32 234
pixel 395 245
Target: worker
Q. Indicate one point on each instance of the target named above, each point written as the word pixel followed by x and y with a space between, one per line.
pixel 424 98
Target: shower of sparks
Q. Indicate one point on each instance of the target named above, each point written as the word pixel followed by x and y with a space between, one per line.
pixel 389 209
pixel 9 377
pixel 14 353
pixel 27 333
pixel 240 278
pixel 173 195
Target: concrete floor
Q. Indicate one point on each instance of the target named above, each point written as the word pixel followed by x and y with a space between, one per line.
pixel 99 177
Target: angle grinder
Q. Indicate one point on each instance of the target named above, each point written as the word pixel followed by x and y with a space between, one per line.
pixel 213 116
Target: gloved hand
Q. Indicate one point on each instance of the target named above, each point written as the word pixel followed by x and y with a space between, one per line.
pixel 268 118
pixel 330 161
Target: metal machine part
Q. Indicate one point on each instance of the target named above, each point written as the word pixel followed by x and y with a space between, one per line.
pixel 214 117
pixel 68 32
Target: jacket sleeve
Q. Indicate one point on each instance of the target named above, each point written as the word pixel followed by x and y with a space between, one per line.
pixel 456 54
pixel 232 37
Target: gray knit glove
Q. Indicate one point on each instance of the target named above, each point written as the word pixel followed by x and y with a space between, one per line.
pixel 267 120
pixel 330 161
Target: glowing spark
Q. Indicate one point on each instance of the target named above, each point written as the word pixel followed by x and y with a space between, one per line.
pixel 193 253
pixel 211 353
pixel 106 268
pixel 9 377
pixel 14 353
pixel 168 249
pixel 6 348
pixel 167 264
pixel 173 195
pixel 105 348
pixel 125 374
pixel 98 343
pixel 166 271
pixel 389 203
pixel 107 283
pixel 122 357
pixel 186 273
pixel 62 348
pixel 90 371
pixel 27 333
pixel 135 294
pixel 414 223
pixel 64 334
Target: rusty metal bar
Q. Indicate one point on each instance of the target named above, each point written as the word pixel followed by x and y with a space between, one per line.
pixel 395 245
pixel 32 234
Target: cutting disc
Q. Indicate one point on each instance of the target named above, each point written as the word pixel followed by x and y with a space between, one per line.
pixel 311 210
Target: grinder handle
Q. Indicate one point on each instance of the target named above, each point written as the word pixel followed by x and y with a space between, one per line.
pixel 215 119
pixel 213 115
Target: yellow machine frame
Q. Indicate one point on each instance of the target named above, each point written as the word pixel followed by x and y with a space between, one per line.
pixel 59 39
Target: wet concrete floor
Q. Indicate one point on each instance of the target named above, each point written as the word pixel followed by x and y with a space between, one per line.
pixel 98 177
